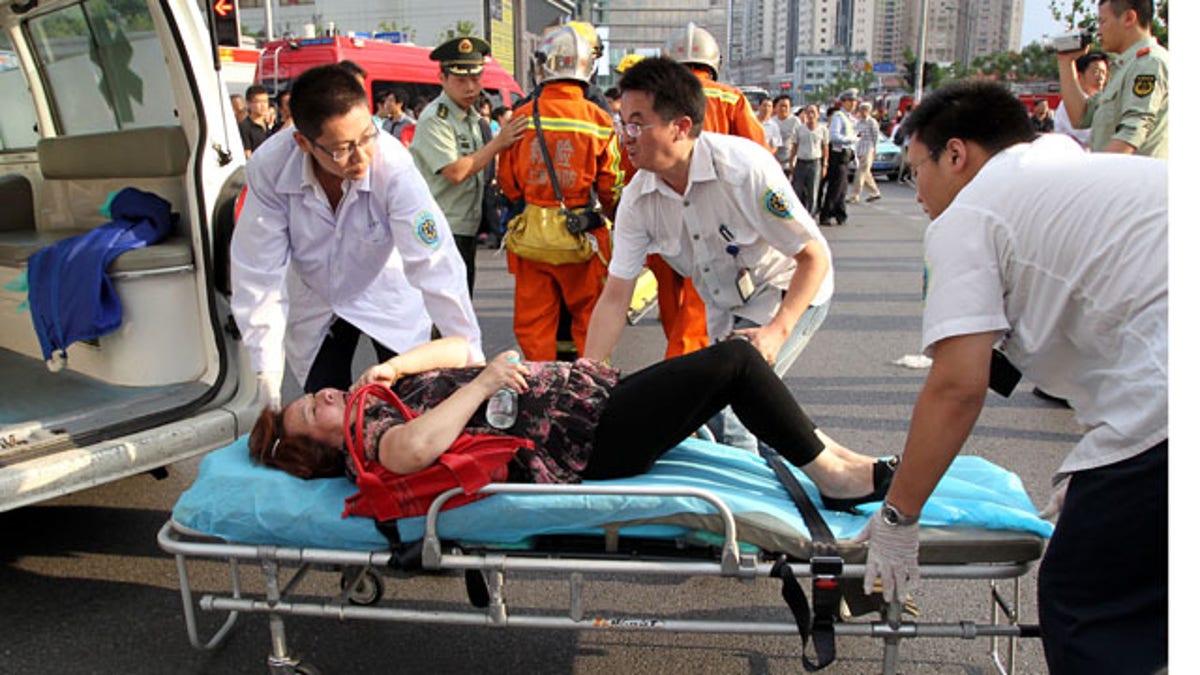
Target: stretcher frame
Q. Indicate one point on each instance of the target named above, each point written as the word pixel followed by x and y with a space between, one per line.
pixel 361 586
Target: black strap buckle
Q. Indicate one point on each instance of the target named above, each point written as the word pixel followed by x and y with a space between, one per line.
pixel 826 566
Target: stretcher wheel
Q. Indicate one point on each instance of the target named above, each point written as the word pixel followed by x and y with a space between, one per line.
pixel 307 669
pixel 367 591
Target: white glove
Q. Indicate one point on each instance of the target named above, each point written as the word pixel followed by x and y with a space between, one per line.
pixel 270 383
pixel 891 555
pixel 1054 504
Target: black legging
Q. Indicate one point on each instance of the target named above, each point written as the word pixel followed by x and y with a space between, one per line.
pixel 334 365
pixel 654 409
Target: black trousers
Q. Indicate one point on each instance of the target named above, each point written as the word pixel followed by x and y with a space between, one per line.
pixel 834 206
pixel 335 360
pixel 1102 585
pixel 466 248
pixel 805 179
pixel 656 408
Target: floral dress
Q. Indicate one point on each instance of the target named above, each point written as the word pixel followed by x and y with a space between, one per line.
pixel 559 414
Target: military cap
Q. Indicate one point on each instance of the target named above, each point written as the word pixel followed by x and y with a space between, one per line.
pixel 850 94
pixel 462 55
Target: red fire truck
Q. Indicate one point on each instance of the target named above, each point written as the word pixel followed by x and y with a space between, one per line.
pixel 390 67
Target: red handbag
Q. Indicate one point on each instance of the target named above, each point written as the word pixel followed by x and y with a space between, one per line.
pixel 471 462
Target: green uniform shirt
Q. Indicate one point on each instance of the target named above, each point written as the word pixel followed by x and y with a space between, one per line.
pixel 1132 107
pixel 445 133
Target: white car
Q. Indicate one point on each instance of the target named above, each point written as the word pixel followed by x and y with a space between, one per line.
pixel 92 101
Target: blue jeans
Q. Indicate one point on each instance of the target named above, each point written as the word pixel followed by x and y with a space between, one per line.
pixel 725 425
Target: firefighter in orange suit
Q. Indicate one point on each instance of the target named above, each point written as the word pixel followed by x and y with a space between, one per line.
pixel 584 150
pixel 726 112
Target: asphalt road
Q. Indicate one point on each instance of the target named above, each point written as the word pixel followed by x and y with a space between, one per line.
pixel 85 589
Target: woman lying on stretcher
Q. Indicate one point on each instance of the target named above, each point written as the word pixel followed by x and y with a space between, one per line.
pixel 583 421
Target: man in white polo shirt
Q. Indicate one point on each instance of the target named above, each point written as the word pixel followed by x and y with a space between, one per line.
pixel 1060 258
pixel 718 209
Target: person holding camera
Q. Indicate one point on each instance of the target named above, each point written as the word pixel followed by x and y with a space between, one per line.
pixel 1092 68
pixel 1129 115
pixel 569 149
pixel 719 210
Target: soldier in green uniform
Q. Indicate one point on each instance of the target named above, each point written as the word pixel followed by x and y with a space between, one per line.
pixel 1130 114
pixel 447 146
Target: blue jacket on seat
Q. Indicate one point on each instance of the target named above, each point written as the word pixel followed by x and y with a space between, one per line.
pixel 71 297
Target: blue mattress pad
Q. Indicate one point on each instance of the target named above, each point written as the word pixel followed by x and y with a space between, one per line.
pixel 977 505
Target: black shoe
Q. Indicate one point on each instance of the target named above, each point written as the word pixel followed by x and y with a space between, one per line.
pixel 824 222
pixel 883 470
pixel 841 221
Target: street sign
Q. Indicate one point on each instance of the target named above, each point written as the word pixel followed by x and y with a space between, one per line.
pixel 885 67
pixel 395 36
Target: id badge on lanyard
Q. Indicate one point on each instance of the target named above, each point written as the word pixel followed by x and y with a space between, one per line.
pixel 745 283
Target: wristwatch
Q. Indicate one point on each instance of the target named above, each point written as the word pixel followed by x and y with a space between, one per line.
pixel 892 516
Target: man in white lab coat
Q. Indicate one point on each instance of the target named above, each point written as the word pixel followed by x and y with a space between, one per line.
pixel 339 214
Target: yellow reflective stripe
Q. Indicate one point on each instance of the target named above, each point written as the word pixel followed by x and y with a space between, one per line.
pixel 579 126
pixel 726 96
pixel 614 151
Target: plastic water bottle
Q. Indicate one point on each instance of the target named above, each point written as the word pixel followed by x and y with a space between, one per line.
pixel 502 406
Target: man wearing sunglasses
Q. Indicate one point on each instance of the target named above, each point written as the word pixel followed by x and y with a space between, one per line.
pixel 340 236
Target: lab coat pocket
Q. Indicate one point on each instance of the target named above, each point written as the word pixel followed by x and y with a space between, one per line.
pixel 376 232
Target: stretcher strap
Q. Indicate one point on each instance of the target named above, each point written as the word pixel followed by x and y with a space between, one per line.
pixel 406 557
pixel 826 566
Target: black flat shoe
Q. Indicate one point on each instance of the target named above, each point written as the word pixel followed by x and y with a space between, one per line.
pixel 883 472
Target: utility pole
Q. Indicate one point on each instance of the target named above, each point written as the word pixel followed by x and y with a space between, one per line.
pixel 728 37
pixel 919 76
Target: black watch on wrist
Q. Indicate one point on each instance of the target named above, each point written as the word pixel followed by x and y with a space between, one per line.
pixel 892 516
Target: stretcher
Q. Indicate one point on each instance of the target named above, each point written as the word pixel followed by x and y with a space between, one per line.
pixel 703 510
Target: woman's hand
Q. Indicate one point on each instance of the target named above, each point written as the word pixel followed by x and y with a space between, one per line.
pixel 505 370
pixel 380 373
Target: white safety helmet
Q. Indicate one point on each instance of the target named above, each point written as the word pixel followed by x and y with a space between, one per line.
pixel 694 45
pixel 569 53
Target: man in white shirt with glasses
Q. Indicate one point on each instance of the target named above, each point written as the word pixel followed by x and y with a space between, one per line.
pixel 719 210
pixel 339 236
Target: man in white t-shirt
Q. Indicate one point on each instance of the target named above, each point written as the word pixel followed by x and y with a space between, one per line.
pixel 1060 257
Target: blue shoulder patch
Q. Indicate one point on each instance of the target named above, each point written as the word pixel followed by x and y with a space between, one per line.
pixel 777 203
pixel 427 230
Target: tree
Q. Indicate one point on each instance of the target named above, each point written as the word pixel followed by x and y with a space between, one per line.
pixel 1036 62
pixel 844 81
pixel 1081 14
pixel 460 29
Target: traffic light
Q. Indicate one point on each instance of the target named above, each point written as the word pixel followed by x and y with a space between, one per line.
pixel 227 26
pixel 931 71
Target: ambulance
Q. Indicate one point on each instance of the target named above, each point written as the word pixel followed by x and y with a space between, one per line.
pixel 98 96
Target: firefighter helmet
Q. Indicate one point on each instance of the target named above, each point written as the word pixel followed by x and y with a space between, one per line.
pixel 694 45
pixel 628 61
pixel 569 53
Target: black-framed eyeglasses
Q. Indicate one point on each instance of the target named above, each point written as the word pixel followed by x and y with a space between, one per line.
pixel 915 166
pixel 341 154
pixel 634 129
